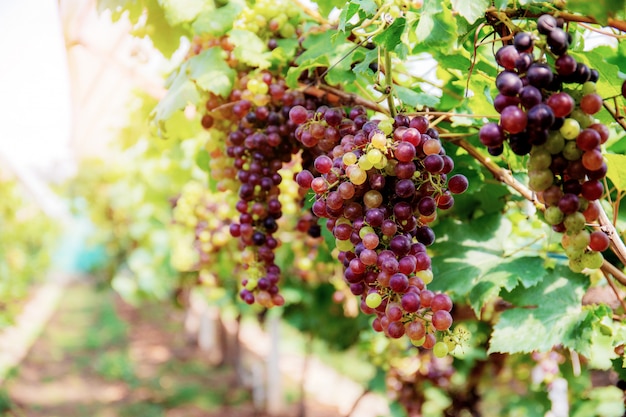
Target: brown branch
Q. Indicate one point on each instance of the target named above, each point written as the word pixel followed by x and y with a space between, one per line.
pixel 606 272
pixel 499 173
pixel 348 98
pixel 619 119
pixel 568 17
pixel 617 245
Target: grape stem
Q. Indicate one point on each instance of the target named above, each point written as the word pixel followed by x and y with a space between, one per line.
pixel 610 269
pixel 618 118
pixel 389 82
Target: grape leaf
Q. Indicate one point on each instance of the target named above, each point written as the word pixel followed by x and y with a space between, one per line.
pixel 164 36
pixel 326 6
pixel 464 268
pixel 218 21
pixel 470 10
pixel 181 11
pixel 414 98
pixel 181 92
pixel 436 26
pixel 390 37
pixel 600 10
pixel 249 48
pixel 211 72
pixel 545 315
pixel 347 13
pixel 617 170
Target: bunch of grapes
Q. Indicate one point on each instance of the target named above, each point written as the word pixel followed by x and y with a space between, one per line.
pixel 262 142
pixel 379 187
pixel 546 103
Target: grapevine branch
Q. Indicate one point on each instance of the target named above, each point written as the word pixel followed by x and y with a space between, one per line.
pixel 568 17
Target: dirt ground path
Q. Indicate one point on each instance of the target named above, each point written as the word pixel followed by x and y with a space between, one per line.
pixel 100 357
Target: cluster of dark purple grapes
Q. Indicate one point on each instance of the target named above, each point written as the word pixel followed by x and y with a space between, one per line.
pixel 379 184
pixel 546 110
pixel 261 144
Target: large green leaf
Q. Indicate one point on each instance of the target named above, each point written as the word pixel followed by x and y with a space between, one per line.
pixel 218 21
pixel 249 48
pixel 617 170
pixel 211 72
pixel 181 92
pixel 181 11
pixel 471 10
pixel 600 10
pixel 391 37
pixel 436 26
pixel 543 316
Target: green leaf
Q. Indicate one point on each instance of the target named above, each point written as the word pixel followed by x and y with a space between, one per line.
pixel 414 98
pixel 181 92
pixel 390 37
pixel 218 21
pixel 202 160
pixel 436 26
pixel 181 11
pixel 471 10
pixel 501 4
pixel 616 170
pixel 600 10
pixel 165 37
pixel 211 72
pixel 347 13
pixel 249 48
pixel 545 315
pixel 326 6
pixel 325 50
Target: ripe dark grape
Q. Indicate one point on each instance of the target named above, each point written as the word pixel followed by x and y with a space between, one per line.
pixel 457 184
pixel 513 119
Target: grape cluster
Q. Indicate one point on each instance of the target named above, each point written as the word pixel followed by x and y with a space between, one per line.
pixel 262 142
pixel 379 184
pixel 546 110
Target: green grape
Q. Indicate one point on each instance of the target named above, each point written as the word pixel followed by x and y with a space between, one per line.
pixel 588 88
pixel 553 215
pixel 574 222
pixel 373 300
pixel 374 156
pixel 418 342
pixel 539 160
pixel 583 119
pixel 576 264
pixel 571 151
pixel 580 240
pixel 592 260
pixel 540 180
pixel 555 142
pixel 570 128
pixel 440 349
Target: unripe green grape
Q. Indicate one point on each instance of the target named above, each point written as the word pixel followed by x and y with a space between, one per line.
pixel 540 180
pixel 574 222
pixel 570 128
pixel 555 142
pixel 553 215
pixel 426 276
pixel 365 230
pixel 365 164
pixel 580 240
pixel 440 349
pixel 418 342
pixel 571 151
pixel 588 88
pixel 344 245
pixel 374 156
pixel 592 260
pixel 373 300
pixel 349 158
pixel 386 125
pixel 382 163
pixel 539 160
pixel 576 264
pixel 574 253
pixel 583 119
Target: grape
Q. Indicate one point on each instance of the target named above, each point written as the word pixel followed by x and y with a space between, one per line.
pixel 513 119
pixel 558 41
pixel 508 83
pixel 491 134
pixel 440 349
pixel 298 114
pixel 539 75
pixel 591 103
pixel 442 320
pixel 599 241
pixel 506 56
pixel 530 96
pixel 523 41
pixel 546 23
pixel 562 104
pixel 457 184
pixel 441 302
pixel 540 117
